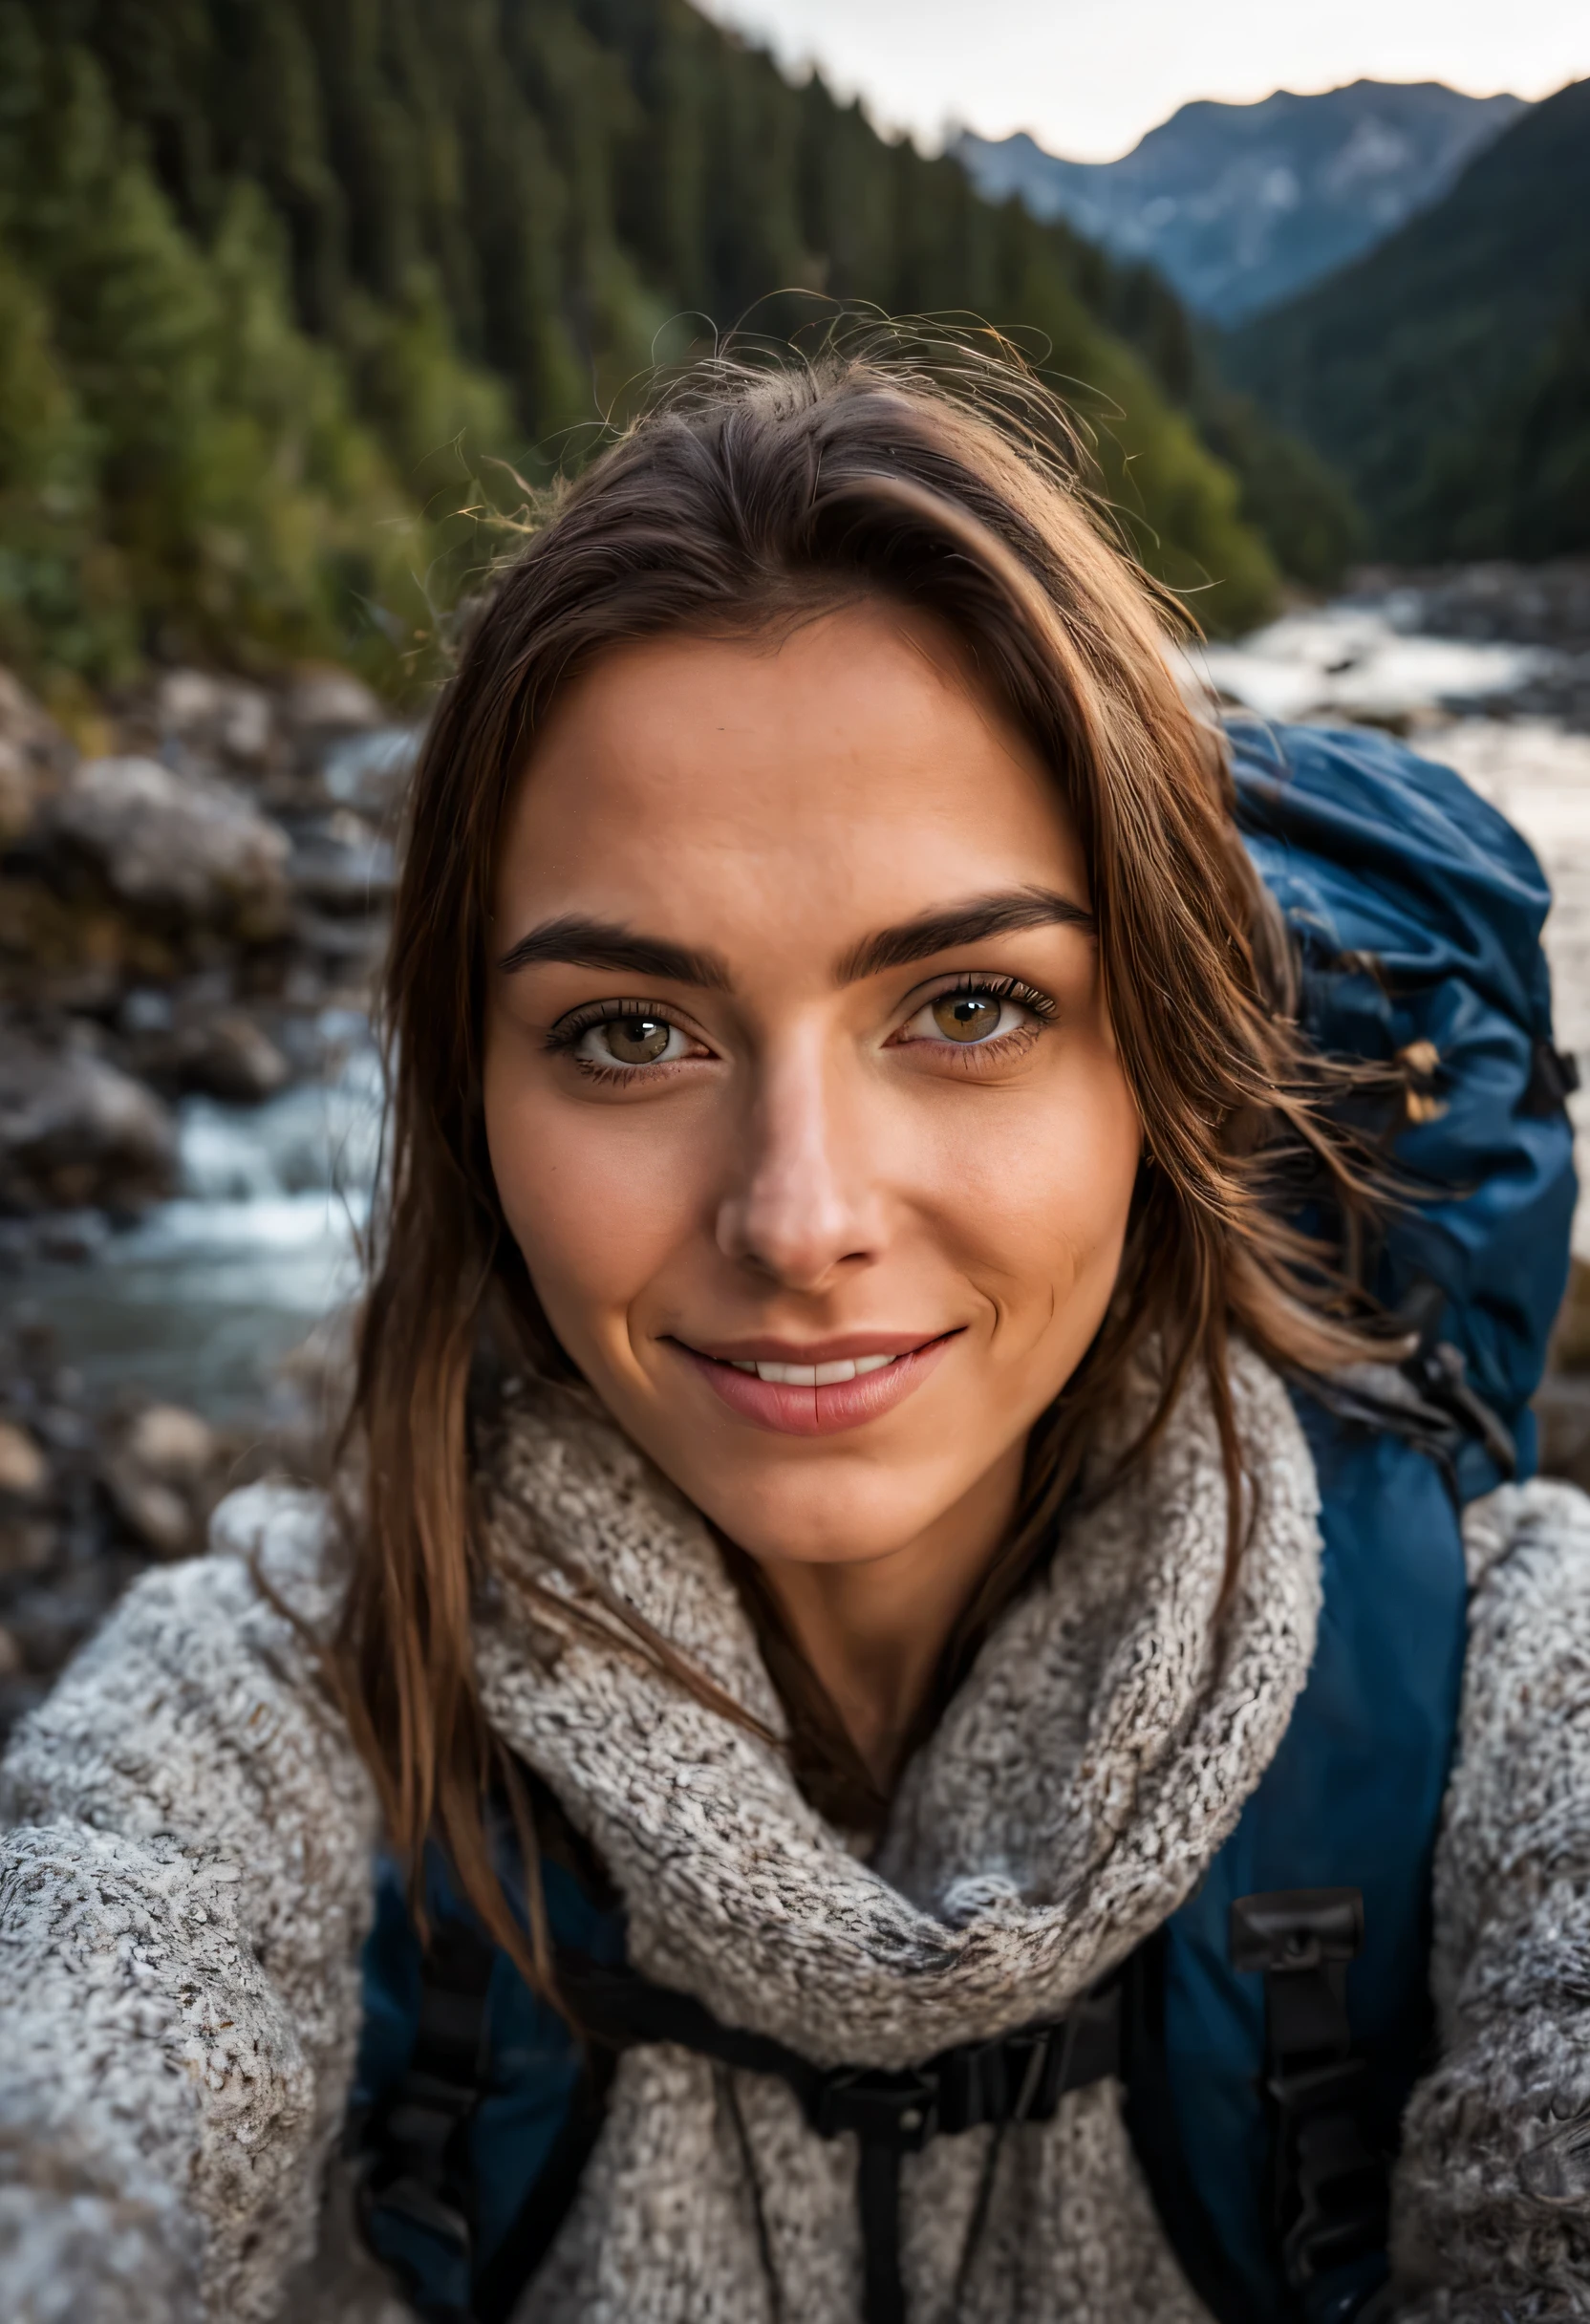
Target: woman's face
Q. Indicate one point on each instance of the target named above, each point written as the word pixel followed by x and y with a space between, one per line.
pixel 800 1084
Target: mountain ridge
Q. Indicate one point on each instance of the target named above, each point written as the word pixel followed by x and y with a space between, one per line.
pixel 1446 373
pixel 1240 206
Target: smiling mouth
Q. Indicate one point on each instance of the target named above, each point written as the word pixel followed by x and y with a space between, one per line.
pixel 810 1375
pixel 819 1398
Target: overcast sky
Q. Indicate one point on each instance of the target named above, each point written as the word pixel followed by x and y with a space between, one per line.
pixel 1089 77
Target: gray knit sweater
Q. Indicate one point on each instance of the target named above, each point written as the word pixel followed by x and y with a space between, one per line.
pixel 186 1886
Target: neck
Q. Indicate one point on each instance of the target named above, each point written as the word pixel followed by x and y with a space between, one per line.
pixel 873 1633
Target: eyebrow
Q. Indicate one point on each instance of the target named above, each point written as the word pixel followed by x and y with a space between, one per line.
pixel 588 943
pixel 968 923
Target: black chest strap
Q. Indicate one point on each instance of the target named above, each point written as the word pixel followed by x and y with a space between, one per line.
pixel 1329 2185
pixel 417 2144
pixel 1016 2077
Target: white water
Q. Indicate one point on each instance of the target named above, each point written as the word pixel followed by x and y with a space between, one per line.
pixel 1356 661
pixel 205 1297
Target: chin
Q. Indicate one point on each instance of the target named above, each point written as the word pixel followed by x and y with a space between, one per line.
pixel 809 1521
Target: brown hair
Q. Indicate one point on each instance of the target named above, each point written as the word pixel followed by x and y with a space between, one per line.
pixel 745 495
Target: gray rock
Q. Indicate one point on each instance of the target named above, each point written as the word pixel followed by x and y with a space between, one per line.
pixel 164 1474
pixel 230 1056
pixel 175 844
pixel 24 1471
pixel 217 717
pixel 159 1477
pixel 340 865
pixel 328 702
pixel 77 1236
pixel 76 1133
pixel 221 1051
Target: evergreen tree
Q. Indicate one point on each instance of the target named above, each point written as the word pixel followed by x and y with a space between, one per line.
pixel 285 272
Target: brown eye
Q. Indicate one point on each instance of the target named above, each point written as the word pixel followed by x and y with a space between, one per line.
pixel 967 1016
pixel 635 1041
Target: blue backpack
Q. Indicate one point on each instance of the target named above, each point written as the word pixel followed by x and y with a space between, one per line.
pixel 1269 2034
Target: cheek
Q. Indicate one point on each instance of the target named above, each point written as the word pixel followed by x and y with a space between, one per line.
pixel 1040 1193
pixel 598 1199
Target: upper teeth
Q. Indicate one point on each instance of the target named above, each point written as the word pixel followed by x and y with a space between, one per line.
pixel 814 1375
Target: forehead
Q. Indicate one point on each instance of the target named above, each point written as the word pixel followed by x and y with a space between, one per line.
pixel 849 767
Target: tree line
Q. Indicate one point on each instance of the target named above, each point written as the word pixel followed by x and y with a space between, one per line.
pixel 292 289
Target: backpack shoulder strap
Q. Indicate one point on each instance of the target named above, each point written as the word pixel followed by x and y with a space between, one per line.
pixel 549 2197
pixel 415 2187
pixel 467 2166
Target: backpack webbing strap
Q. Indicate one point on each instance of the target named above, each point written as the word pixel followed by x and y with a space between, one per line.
pixel 417 2138
pixel 546 2206
pixel 1331 2185
pixel 1017 2077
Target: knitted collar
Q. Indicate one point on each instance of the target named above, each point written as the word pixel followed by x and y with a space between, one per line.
pixel 1098 1754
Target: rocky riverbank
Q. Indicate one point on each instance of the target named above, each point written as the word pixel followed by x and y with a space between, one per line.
pixel 193 897
pixel 181 911
pixel 1543 608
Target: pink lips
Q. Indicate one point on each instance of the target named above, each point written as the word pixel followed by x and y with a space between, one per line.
pixel 818 1411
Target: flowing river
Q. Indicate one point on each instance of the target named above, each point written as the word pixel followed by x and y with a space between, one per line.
pixel 200 1301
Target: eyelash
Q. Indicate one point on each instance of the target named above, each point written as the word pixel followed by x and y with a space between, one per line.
pixel 969 1057
pixel 564 1037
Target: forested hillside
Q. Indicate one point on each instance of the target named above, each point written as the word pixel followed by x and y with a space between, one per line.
pixel 1448 374
pixel 281 281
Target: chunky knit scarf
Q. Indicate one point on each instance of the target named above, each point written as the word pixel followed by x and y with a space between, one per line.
pixel 1099 1753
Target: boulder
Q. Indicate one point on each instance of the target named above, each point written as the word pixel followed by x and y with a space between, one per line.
pixel 162 1476
pixel 340 865
pixel 220 717
pixel 325 701
pixel 27 1533
pixel 24 1471
pixel 18 793
pixel 183 1043
pixel 175 844
pixel 173 1444
pixel 77 1132
pixel 229 1056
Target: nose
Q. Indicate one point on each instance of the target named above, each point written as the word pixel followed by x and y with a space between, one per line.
pixel 803 1204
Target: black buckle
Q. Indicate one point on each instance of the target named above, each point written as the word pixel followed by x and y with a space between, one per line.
pixel 1341 2190
pixel 1295 1928
pixel 1011 2079
pixel 415 2201
pixel 1331 2189
pixel 1441 1376
pixel 1019 2077
pixel 899 2111
pixel 1553 1077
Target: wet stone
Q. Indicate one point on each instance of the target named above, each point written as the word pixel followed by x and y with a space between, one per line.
pixel 24 1471
pixel 176 845
pixel 75 1132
